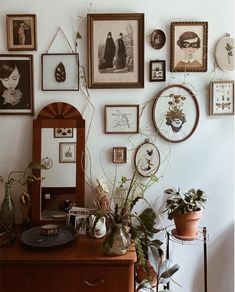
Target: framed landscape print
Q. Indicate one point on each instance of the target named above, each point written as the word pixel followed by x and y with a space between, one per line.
pixel 60 72
pixel 119 154
pixel 21 32
pixel 157 71
pixel 222 98
pixel 189 46
pixel 115 50
pixel 16 84
pixel 67 153
pixel 175 113
pixel 121 119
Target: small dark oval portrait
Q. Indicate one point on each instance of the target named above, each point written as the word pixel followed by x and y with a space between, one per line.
pixel 158 39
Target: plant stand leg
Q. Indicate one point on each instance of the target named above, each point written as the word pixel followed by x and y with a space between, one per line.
pixel 205 258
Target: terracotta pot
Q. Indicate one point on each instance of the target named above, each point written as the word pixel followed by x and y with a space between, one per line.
pixel 141 275
pixel 187 224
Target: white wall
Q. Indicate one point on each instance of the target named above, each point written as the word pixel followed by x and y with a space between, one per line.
pixel 205 160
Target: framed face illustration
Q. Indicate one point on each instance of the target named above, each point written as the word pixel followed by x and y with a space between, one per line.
pixel 175 113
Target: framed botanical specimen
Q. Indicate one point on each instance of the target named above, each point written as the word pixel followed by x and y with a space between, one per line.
pixel 21 32
pixel 147 159
pixel 60 72
pixel 63 132
pixel 67 152
pixel 158 39
pixel 119 154
pixel 121 119
pixel 224 53
pixel 222 98
pixel 16 84
pixel 189 46
pixel 115 50
pixel 157 70
pixel 175 113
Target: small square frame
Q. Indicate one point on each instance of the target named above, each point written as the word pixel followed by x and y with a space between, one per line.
pixel 222 98
pixel 67 152
pixel 157 71
pixel 63 132
pixel 21 32
pixel 119 154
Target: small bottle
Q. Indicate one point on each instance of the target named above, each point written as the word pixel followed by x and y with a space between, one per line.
pixel 8 210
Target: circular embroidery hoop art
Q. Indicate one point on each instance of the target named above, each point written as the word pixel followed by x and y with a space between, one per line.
pixel 175 113
pixel 224 53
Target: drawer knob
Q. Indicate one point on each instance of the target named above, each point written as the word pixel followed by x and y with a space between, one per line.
pixel 93 283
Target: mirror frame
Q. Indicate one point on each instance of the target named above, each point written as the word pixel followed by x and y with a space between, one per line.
pixel 58 115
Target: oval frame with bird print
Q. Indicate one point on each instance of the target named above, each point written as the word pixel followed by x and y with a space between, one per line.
pixel 147 159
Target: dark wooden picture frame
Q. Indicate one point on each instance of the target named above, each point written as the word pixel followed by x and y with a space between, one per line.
pixel 157 71
pixel 158 39
pixel 115 50
pixel 21 32
pixel 119 154
pixel 189 46
pixel 67 155
pixel 16 84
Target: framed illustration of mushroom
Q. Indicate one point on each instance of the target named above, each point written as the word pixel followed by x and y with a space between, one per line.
pixel 60 72
pixel 175 113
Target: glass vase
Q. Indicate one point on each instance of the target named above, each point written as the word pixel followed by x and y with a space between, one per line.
pixel 8 210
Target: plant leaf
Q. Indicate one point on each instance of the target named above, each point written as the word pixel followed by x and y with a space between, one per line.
pixel 60 73
pixel 154 257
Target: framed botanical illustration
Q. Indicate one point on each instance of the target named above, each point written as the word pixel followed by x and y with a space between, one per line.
pixel 67 153
pixel 121 119
pixel 119 154
pixel 60 72
pixel 158 39
pixel 224 53
pixel 21 32
pixel 16 84
pixel 157 71
pixel 63 132
pixel 147 159
pixel 222 98
pixel 189 46
pixel 175 113
pixel 115 50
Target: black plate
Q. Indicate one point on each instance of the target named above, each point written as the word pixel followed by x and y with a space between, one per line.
pixel 32 237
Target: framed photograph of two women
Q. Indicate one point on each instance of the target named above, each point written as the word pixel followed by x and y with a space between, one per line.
pixel 115 50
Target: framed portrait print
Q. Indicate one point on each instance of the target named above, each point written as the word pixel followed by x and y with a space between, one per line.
pixel 189 46
pixel 16 84
pixel 119 154
pixel 60 72
pixel 63 132
pixel 115 50
pixel 67 153
pixel 121 119
pixel 222 98
pixel 147 159
pixel 157 71
pixel 21 32
pixel 158 39
pixel 175 113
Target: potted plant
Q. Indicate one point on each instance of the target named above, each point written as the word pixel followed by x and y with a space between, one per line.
pixel 186 210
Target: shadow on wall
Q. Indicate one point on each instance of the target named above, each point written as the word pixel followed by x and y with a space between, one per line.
pixel 220 266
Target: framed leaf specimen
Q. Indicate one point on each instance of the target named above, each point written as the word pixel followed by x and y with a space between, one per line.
pixel 60 72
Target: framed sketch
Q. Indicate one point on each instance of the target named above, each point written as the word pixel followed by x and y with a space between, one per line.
pixel 16 84
pixel 21 32
pixel 115 50
pixel 189 46
pixel 157 71
pixel 121 119
pixel 175 113
pixel 60 72
pixel 222 98
pixel 119 154
pixel 147 159
pixel 63 132
pixel 158 39
pixel 224 53
pixel 67 153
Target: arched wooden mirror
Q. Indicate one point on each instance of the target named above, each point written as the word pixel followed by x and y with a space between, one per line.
pixel 59 142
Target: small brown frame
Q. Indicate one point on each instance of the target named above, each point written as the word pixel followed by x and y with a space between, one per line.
pixel 21 32
pixel 189 46
pixel 157 71
pixel 119 154
pixel 67 153
pixel 158 39
pixel 118 68
pixel 63 132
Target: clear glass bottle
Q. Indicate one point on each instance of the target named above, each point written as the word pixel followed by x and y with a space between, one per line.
pixel 8 210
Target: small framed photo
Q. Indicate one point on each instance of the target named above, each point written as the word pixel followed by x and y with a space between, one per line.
pixel 21 32
pixel 63 132
pixel 119 154
pixel 189 46
pixel 158 39
pixel 115 50
pixel 222 98
pixel 157 71
pixel 121 119
pixel 60 72
pixel 16 84
pixel 67 153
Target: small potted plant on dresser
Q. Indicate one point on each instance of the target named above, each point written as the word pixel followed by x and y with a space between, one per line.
pixel 186 210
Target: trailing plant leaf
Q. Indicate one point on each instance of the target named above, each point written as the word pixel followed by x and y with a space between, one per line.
pixel 60 73
pixel 133 203
pixel 154 257
pixel 166 270
pixel 145 284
